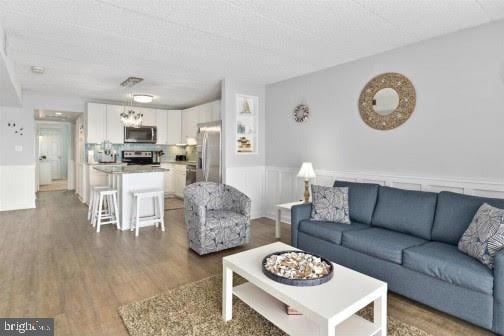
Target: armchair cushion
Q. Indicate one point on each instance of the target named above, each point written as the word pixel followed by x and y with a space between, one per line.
pixel 217 219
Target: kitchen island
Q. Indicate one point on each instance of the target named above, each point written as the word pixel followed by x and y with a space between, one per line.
pixel 126 179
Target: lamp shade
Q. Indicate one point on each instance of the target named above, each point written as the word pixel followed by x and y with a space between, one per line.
pixel 306 171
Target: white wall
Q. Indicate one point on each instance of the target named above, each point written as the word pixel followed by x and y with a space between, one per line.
pixel 9 140
pixel 18 168
pixel 243 171
pixel 455 130
pixel 10 89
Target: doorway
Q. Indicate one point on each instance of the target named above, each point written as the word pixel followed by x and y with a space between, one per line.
pixel 54 146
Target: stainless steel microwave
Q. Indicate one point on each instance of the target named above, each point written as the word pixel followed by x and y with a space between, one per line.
pixel 142 134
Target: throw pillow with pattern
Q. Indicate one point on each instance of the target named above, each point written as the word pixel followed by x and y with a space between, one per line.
pixel 330 204
pixel 485 235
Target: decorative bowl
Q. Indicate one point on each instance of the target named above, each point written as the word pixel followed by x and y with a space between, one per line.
pixel 299 281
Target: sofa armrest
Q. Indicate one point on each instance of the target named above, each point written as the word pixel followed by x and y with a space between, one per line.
pixel 498 319
pixel 298 213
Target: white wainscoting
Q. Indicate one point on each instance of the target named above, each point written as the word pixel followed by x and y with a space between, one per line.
pixel 282 185
pixel 249 180
pixel 17 187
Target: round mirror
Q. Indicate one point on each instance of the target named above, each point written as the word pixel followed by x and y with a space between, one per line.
pixel 385 101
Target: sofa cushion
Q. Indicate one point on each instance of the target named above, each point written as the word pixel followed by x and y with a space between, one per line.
pixel 455 212
pixel 405 211
pixel 380 243
pixel 329 231
pixel 446 262
pixel 361 200
pixel 485 235
pixel 330 204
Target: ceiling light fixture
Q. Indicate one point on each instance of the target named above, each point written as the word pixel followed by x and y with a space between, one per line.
pixel 129 117
pixel 143 98
pixel 58 113
pixel 38 69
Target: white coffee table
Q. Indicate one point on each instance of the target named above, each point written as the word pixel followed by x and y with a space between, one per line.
pixel 328 309
pixel 280 208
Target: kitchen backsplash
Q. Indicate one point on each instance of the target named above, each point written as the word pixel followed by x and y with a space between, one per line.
pixel 189 151
pixel 169 151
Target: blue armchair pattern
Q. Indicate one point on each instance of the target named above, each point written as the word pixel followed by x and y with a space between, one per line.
pixel 217 217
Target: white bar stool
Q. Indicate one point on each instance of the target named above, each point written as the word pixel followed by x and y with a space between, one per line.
pixel 93 201
pixel 101 215
pixel 157 196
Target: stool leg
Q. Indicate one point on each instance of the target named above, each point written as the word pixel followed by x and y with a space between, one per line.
pixel 161 211
pixel 156 210
pixel 100 208
pixel 137 216
pixel 116 211
pixel 95 210
pixel 133 215
pixel 90 209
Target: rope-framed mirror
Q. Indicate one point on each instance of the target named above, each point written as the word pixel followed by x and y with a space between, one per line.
pixel 387 101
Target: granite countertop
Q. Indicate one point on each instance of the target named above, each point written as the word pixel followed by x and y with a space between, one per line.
pixel 185 163
pixel 129 169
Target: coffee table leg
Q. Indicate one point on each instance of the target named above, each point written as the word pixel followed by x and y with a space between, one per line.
pixel 227 293
pixel 277 223
pixel 380 314
pixel 327 329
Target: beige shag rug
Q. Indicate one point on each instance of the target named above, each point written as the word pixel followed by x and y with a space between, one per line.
pixel 195 309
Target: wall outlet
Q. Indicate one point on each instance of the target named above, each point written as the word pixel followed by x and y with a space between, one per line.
pixel 18 148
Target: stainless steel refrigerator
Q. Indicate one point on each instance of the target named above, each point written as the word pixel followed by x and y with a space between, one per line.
pixel 209 149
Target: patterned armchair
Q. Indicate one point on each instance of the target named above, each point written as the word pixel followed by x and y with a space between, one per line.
pixel 217 217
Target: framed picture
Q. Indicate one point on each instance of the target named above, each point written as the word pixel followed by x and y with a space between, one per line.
pixel 246 124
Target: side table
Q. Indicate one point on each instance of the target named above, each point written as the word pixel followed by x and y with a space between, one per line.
pixel 280 207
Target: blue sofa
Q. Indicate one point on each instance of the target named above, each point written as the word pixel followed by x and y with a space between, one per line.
pixel 409 239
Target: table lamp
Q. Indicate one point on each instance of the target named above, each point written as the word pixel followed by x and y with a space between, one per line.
pixel 306 171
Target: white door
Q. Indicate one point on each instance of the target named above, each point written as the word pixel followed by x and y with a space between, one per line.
pixel 50 147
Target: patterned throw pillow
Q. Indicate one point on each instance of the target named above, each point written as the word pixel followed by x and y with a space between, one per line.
pixel 485 235
pixel 330 204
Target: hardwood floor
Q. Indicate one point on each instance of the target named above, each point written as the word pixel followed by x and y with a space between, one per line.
pixel 55 185
pixel 53 264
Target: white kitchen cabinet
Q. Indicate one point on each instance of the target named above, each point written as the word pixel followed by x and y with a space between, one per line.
pixel 190 120
pixel 179 179
pixel 114 125
pixel 169 182
pixel 205 113
pixel 149 116
pixel 174 127
pixel 193 116
pixel 96 121
pixel 216 110
pixel 162 126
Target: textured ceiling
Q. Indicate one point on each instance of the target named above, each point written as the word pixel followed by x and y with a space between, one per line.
pixel 184 48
